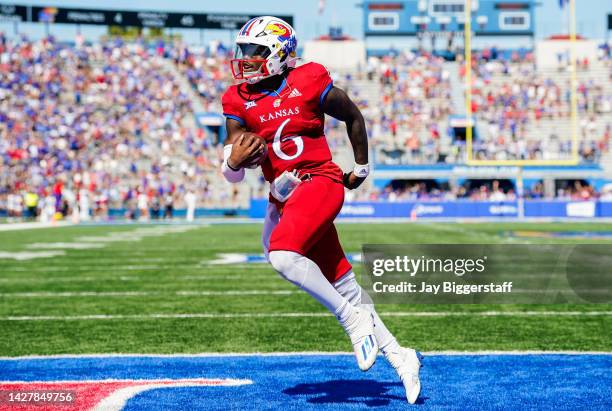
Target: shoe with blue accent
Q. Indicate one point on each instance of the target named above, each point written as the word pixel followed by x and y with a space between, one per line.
pixel 406 362
pixel 361 333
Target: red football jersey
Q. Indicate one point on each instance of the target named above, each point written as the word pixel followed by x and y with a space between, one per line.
pixel 290 119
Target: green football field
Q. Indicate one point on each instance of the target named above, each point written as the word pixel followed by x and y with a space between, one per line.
pixel 152 289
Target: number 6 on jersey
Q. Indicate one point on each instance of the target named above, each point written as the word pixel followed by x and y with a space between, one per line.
pixel 276 144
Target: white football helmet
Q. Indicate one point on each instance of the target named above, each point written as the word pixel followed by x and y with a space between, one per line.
pixel 265 46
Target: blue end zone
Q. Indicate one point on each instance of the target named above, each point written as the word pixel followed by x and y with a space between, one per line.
pixel 334 382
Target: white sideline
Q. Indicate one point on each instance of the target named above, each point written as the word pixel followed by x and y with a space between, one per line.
pixel 303 315
pixel 289 354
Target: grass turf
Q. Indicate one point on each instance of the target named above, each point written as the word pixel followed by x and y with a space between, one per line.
pixel 161 266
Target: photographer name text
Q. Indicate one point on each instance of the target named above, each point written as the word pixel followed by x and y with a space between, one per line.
pixel 447 287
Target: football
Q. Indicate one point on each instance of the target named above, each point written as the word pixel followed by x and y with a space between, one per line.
pixel 257 159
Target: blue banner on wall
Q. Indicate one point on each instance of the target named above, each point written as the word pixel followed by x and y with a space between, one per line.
pixel 462 209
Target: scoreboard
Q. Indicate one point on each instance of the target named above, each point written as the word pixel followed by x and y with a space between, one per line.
pixel 411 17
pixel 125 18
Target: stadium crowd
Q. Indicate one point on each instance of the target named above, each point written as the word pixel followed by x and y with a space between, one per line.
pixel 103 125
pixel 408 122
pixel 520 113
pixel 110 125
pixel 526 114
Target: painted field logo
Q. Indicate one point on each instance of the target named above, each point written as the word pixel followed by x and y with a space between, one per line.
pixel 102 395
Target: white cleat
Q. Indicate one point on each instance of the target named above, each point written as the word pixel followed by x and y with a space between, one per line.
pixel 406 363
pixel 361 333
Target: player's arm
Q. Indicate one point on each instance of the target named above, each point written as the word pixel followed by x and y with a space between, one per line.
pixel 238 149
pixel 338 105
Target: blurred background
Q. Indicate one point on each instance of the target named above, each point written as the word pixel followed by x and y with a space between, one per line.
pixel 475 109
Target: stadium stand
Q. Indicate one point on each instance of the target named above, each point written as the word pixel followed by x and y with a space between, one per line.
pixel 520 112
pixel 105 124
pixel 526 113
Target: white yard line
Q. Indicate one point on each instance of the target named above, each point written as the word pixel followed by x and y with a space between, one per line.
pixel 64 246
pixel 30 255
pixel 32 225
pixel 102 264
pixel 55 249
pixel 304 315
pixel 75 279
pixel 78 278
pixel 78 268
pixel 100 267
pixel 185 293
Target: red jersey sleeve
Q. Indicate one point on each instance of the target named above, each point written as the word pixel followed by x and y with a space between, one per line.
pixel 232 107
pixel 321 80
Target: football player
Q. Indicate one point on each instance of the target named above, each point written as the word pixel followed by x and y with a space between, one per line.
pixel 285 104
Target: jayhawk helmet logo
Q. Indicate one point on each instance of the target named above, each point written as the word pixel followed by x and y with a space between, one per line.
pixel 280 30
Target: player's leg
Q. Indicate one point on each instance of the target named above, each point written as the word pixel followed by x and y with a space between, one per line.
pixel 330 257
pixel 404 360
pixel 306 217
pixel 328 254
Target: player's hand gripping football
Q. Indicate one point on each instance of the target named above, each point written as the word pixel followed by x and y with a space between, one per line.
pixel 247 146
pixel 351 181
